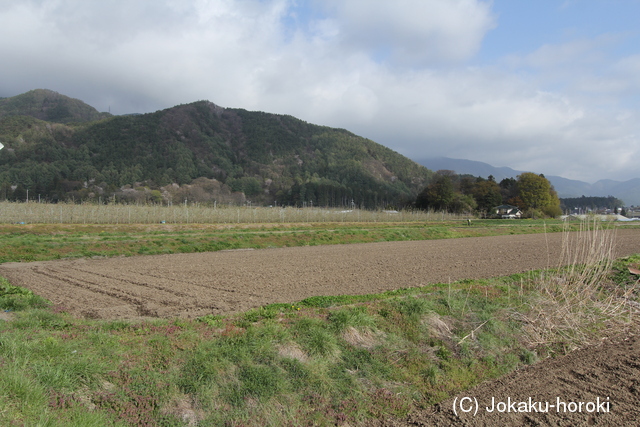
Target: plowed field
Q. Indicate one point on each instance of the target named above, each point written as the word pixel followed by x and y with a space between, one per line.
pixel 192 285
pixel 594 386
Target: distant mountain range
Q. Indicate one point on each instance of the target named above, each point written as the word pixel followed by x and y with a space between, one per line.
pixel 627 191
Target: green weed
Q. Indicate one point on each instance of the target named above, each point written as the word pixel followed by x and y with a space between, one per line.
pixel 315 337
pixel 15 298
pixel 356 317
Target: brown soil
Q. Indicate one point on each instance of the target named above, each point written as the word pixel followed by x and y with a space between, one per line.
pixel 605 378
pixel 192 285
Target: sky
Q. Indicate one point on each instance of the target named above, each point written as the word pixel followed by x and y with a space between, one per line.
pixel 548 86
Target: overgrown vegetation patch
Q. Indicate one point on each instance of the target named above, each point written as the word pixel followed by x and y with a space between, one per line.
pixel 16 298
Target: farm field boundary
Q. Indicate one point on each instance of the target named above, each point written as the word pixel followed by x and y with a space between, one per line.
pixel 199 284
pixel 40 242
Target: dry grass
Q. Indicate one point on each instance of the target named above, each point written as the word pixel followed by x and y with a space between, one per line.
pixel 363 338
pixel 293 351
pixel 573 301
pixel 437 327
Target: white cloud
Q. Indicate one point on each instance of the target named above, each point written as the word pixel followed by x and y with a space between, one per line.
pixel 414 32
pixel 147 48
pixel 625 76
pixel 574 53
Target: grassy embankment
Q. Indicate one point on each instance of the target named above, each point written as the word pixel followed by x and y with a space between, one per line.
pixel 323 361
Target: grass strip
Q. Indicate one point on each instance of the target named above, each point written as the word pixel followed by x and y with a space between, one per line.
pixel 41 242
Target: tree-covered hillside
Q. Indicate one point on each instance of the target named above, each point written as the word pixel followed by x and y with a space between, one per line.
pixel 268 158
pixel 48 105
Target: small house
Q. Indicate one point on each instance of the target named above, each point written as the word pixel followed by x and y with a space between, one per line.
pixel 507 212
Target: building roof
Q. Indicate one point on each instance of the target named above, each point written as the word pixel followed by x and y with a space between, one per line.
pixel 507 207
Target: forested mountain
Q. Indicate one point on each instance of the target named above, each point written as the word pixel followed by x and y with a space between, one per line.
pixel 58 148
pixel 48 105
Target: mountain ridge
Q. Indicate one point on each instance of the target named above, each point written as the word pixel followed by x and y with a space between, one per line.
pixel 268 157
pixel 48 105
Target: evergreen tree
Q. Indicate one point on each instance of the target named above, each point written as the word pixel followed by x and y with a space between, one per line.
pixel 487 195
pixel 19 194
pixel 438 195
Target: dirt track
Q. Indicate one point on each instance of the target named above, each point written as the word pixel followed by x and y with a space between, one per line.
pixel 191 285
